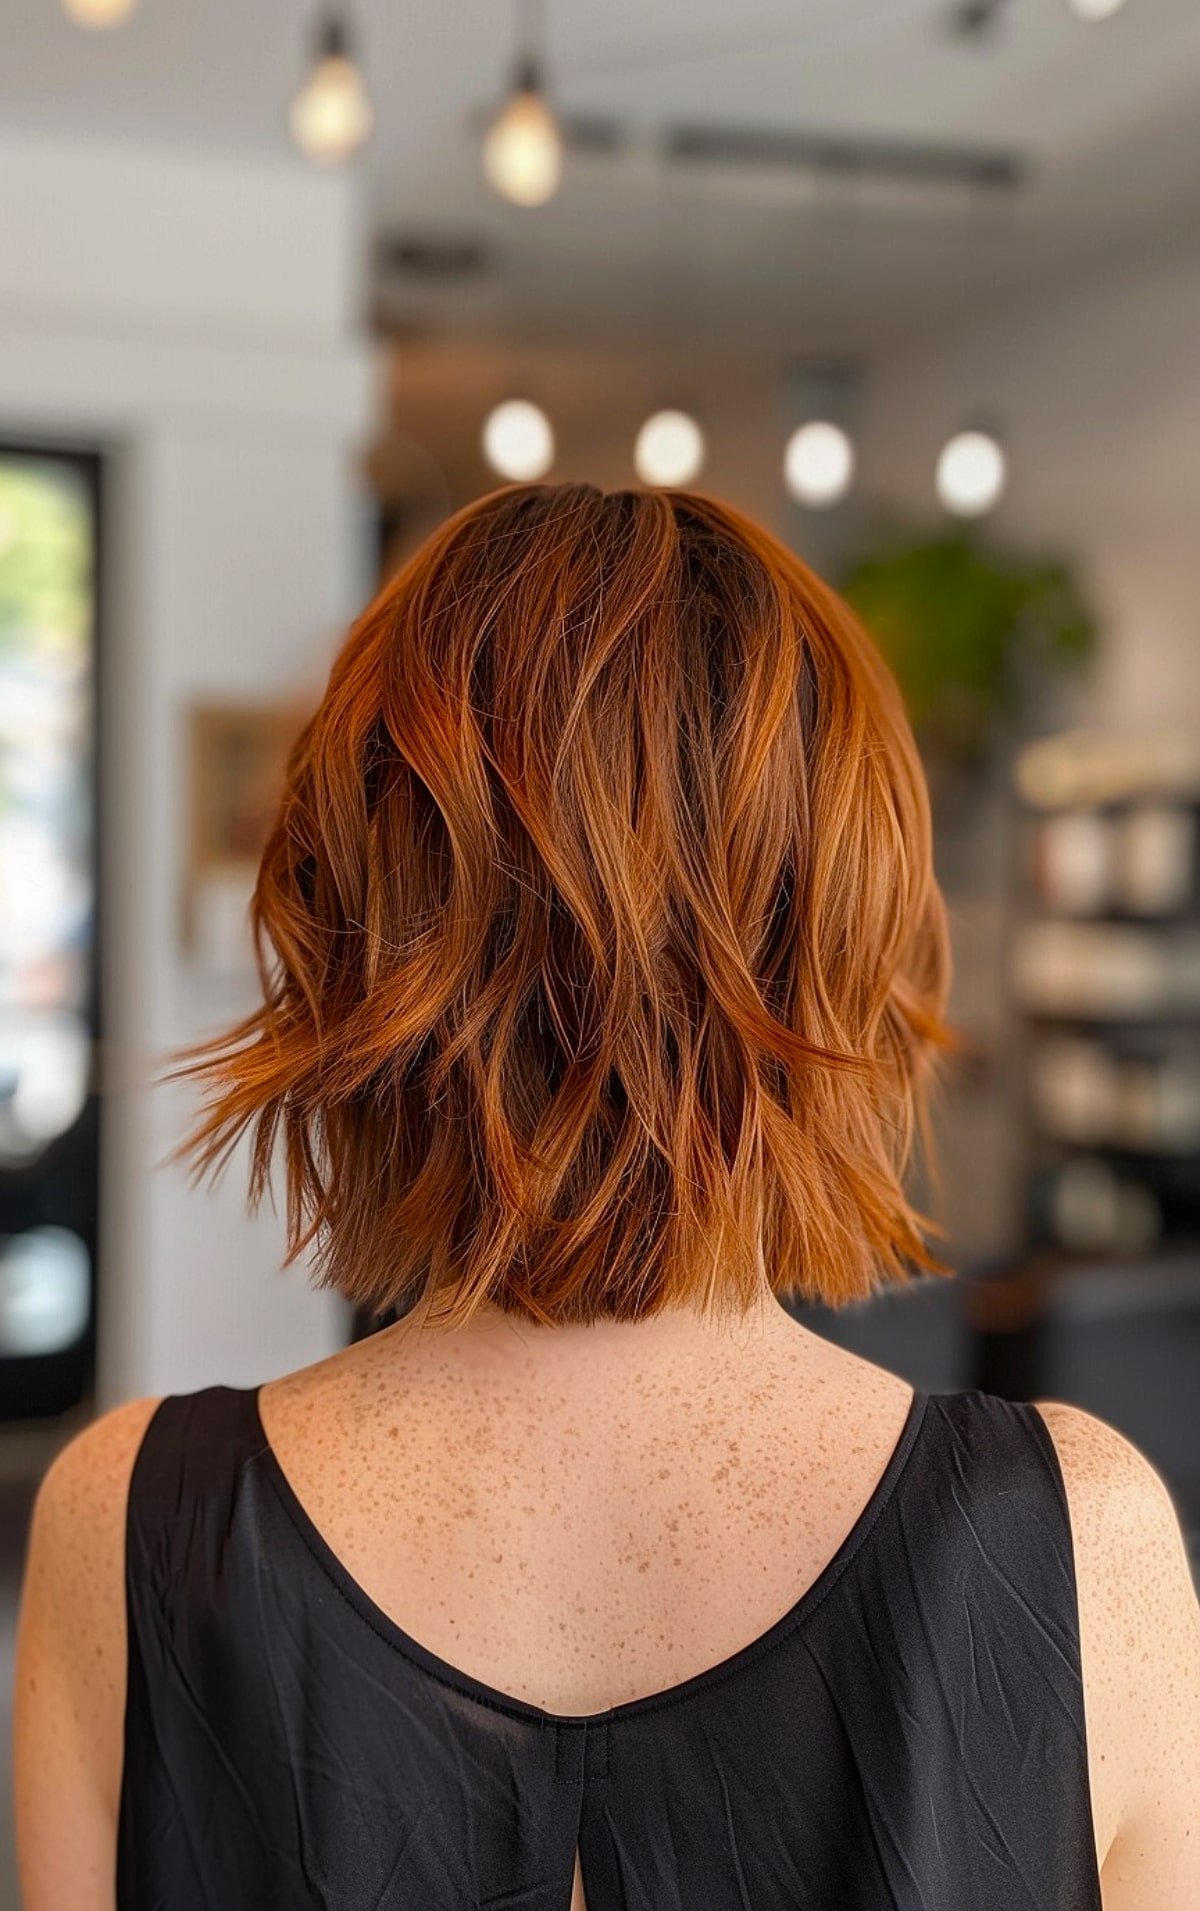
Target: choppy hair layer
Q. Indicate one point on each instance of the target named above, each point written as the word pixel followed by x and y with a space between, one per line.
pixel 601 952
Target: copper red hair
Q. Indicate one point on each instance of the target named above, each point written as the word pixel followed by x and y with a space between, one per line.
pixel 600 946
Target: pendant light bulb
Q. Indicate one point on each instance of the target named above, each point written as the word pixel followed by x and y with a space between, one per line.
pixel 331 114
pixel 1095 10
pixel 818 464
pixel 518 441
pixel 98 14
pixel 971 474
pixel 523 150
pixel 670 449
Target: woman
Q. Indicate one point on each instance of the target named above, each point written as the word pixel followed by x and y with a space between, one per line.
pixel 602 963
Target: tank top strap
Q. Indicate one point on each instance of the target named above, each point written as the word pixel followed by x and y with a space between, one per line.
pixel 1000 1451
pixel 185 1480
pixel 992 1500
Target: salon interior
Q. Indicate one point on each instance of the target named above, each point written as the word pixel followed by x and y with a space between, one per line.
pixel 916 282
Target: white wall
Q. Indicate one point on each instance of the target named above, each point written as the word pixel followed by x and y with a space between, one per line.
pixel 194 318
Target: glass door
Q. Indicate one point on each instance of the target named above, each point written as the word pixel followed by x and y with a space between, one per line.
pixel 49 974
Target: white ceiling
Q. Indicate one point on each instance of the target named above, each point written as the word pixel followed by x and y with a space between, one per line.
pixel 1107 117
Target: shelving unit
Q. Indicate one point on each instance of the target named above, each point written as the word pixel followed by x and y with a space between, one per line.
pixel 1104 1305
pixel 1105 970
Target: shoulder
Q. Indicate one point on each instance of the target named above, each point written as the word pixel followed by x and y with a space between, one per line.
pixel 1122 1512
pixel 80 1504
pixel 69 1684
pixel 100 1452
pixel 74 1565
pixel 1139 1625
pixel 72 1602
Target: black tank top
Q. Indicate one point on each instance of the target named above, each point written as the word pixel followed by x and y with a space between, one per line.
pixel 909 1737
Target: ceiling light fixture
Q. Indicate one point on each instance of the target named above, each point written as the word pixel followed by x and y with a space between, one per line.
pixel 1095 10
pixel 331 115
pixel 98 14
pixel 971 473
pixel 818 464
pixel 518 441
pixel 669 449
pixel 523 147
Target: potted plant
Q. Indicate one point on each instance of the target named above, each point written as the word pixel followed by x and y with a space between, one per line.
pixel 975 633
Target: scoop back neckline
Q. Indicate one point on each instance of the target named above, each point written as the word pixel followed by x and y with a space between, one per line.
pixel 411 1648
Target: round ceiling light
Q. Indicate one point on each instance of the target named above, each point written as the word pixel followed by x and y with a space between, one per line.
pixel 1092 10
pixel 98 13
pixel 669 449
pixel 818 464
pixel 971 474
pixel 518 441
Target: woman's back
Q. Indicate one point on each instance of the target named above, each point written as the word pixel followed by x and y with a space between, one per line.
pixel 603 968
pixel 736 1617
pixel 682 1483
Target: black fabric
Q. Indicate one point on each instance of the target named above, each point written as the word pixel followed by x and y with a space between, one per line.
pixel 910 1735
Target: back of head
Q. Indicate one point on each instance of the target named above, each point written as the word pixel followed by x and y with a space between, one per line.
pixel 601 951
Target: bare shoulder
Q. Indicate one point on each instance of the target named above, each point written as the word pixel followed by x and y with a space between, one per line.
pixel 1122 1515
pixel 77 1537
pixel 95 1466
pixel 1139 1624
pixel 76 1544
pixel 69 1683
pixel 1101 1464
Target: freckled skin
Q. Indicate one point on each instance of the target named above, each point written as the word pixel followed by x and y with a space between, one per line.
pixel 1139 1625
pixel 689 1516
pixel 583 1516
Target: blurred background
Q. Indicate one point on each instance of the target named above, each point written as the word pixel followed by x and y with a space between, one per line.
pixel 917 282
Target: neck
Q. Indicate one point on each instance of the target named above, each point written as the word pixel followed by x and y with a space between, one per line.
pixel 501 1343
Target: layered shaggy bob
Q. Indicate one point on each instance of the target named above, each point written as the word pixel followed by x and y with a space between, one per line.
pixel 601 953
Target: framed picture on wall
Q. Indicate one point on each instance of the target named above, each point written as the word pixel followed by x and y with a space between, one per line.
pixel 237 755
